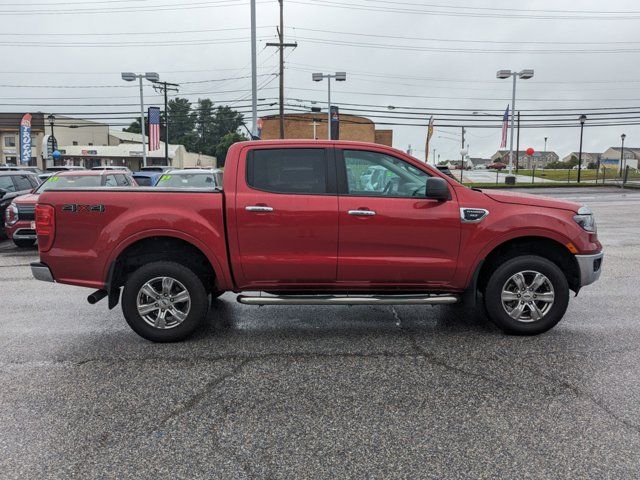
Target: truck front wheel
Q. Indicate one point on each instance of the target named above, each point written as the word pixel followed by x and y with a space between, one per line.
pixel 526 295
pixel 164 301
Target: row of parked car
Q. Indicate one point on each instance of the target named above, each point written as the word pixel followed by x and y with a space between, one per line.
pixel 21 186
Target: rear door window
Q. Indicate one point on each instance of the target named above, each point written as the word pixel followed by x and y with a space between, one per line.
pixel 289 170
pixel 121 180
pixel 22 183
pixel 143 181
pixel 7 184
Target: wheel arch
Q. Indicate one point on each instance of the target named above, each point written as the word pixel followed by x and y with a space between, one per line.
pixel 546 247
pixel 142 249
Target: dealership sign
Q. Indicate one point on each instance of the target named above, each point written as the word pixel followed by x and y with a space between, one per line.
pixel 25 139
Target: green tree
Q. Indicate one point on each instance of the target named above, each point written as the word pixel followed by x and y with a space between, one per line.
pixel 223 145
pixel 226 120
pixel 204 123
pixel 203 128
pixel 134 127
pixel 181 123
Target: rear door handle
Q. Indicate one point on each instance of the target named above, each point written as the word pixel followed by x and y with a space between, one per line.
pixel 362 213
pixel 258 208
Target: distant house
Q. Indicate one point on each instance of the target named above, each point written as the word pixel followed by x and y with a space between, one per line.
pixel 587 157
pixel 479 161
pixel 456 163
pixel 610 158
pixel 538 159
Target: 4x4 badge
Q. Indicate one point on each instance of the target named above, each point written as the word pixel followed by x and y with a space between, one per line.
pixel 74 208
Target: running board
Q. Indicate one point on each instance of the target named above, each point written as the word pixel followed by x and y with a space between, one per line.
pixel 349 300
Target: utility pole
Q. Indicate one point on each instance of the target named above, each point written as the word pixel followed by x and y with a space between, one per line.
pixel 281 45
pixel 166 87
pixel 518 144
pixel 545 144
pixel 254 74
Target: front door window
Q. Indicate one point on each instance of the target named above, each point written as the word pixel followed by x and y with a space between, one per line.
pixel 379 175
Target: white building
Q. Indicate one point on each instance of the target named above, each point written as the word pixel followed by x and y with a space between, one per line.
pixel 125 149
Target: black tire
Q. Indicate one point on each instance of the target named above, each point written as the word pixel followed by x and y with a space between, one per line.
pixel 24 243
pixel 497 312
pixel 199 301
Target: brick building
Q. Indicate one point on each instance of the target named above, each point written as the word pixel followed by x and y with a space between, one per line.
pixel 303 125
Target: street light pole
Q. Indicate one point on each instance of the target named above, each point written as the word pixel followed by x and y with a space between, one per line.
pixel 513 117
pixel 583 118
pixel 340 77
pixel 142 125
pixel 525 75
pixel 152 77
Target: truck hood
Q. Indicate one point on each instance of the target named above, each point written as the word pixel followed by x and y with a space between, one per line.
pixel 29 199
pixel 531 200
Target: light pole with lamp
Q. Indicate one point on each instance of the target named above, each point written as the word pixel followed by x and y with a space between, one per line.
pixel 340 77
pixel 524 75
pixel 463 154
pixel 582 119
pixel 152 77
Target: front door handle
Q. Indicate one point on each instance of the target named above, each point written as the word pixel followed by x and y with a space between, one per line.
pixel 258 208
pixel 362 213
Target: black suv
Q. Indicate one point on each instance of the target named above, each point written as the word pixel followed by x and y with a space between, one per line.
pixel 12 185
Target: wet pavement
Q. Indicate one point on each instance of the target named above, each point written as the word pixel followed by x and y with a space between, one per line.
pixel 326 392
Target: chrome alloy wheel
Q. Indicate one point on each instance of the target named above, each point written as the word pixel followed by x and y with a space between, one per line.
pixel 163 302
pixel 527 296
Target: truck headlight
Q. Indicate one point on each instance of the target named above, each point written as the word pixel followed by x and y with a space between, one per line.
pixel 11 214
pixel 586 220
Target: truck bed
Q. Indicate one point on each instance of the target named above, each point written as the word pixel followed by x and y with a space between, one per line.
pixel 94 225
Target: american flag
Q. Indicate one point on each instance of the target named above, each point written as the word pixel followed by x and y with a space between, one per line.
pixel 505 127
pixel 154 128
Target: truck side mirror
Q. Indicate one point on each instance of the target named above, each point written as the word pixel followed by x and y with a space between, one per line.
pixel 437 189
pixel 2 193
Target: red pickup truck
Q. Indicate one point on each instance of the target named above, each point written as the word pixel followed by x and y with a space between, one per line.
pixel 303 223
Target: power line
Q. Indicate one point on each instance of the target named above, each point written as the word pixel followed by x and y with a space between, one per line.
pixel 129 9
pixel 497 15
pixel 164 43
pixel 416 48
pixel 311 68
pixel 128 34
pixel 456 40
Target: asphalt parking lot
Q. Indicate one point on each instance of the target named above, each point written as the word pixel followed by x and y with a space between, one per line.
pixel 326 392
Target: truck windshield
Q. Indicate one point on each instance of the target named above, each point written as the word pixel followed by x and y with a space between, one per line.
pixel 70 181
pixel 187 180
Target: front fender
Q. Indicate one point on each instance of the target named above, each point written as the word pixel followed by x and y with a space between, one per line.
pixel 478 240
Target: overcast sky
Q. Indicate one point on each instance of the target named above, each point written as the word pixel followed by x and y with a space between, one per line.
pixel 392 52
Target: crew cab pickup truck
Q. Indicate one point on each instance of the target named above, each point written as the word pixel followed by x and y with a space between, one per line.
pixel 301 223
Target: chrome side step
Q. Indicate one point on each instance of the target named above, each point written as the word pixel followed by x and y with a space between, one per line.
pixel 349 300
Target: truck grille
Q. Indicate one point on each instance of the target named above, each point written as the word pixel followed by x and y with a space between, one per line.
pixel 26 212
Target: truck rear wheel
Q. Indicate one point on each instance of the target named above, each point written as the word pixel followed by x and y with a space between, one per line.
pixel 526 295
pixel 164 301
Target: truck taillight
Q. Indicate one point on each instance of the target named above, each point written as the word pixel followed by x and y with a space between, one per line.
pixel 45 226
